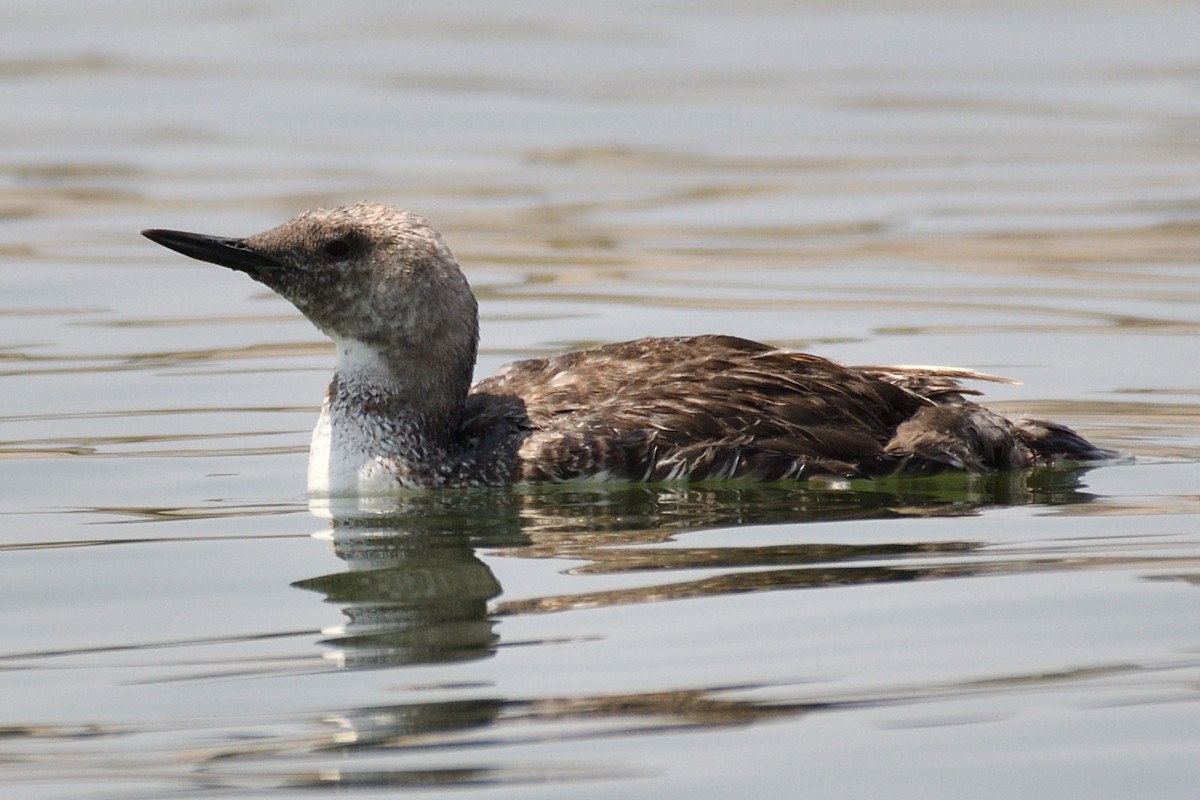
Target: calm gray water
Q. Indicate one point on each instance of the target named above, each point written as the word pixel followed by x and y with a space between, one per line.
pixel 1003 186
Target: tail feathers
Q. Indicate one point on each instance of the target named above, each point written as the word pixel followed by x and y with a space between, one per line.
pixel 957 436
pixel 1050 442
pixel 964 436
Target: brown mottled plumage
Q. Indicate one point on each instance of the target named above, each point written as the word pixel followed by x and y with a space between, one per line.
pixel 400 412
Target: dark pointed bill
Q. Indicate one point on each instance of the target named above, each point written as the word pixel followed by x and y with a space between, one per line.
pixel 232 253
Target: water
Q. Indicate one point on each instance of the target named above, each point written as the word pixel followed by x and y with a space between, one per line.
pixel 1000 186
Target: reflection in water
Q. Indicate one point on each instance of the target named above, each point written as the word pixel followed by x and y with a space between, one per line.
pixel 415 592
pixel 409 600
pixel 390 746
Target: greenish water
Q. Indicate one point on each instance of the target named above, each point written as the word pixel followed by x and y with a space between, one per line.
pixel 1004 187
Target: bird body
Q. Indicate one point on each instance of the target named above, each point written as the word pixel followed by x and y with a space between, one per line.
pixel 400 412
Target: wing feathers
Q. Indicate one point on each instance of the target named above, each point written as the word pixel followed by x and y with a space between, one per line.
pixel 712 407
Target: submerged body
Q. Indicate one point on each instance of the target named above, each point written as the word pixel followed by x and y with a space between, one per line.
pixel 400 411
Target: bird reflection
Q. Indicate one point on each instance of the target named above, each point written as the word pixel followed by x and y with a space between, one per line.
pixel 415 592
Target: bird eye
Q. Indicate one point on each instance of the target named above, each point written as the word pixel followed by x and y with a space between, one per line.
pixel 338 248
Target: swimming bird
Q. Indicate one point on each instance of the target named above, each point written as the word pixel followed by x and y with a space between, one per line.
pixel 401 413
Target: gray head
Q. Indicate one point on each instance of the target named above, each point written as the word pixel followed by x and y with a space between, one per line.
pixel 367 272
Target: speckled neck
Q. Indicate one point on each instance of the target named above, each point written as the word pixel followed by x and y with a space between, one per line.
pixel 379 428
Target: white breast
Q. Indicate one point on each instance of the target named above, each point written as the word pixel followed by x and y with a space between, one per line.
pixel 346 465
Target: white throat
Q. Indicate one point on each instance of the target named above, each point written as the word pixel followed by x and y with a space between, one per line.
pixel 361 364
pixel 350 453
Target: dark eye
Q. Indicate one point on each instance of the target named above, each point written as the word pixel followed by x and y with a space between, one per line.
pixel 338 248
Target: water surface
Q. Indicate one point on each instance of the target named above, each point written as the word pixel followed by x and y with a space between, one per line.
pixel 1000 186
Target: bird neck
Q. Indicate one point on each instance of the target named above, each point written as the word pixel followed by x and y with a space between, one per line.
pixel 384 424
pixel 399 386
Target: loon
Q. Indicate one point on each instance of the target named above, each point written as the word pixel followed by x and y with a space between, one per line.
pixel 401 413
